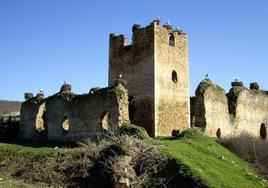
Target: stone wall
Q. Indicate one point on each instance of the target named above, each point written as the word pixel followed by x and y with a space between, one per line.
pixel 158 103
pixel 172 105
pixel 251 112
pixel 136 63
pixel 240 111
pixel 210 110
pixel 68 117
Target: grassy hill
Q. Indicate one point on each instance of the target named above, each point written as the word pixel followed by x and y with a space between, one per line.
pixel 190 160
pixel 9 106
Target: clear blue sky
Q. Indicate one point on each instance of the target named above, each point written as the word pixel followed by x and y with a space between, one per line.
pixel 44 42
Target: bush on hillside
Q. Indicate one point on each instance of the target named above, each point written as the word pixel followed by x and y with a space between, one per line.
pixel 113 161
pixel 134 130
pixel 251 149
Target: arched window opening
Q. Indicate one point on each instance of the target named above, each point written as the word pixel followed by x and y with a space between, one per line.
pixel 263 131
pixel 40 122
pixel 218 133
pixel 174 76
pixel 104 123
pixel 65 124
pixel 171 39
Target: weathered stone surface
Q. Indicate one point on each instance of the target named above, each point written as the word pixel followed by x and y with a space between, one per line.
pixel 240 111
pixel 78 117
pixel 157 77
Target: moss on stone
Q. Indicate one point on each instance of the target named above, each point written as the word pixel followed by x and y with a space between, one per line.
pixel 120 92
pixel 232 98
pixel 134 130
pixel 205 84
pixel 35 100
pixel 68 96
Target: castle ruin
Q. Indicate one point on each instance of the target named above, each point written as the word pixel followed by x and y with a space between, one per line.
pixel 148 86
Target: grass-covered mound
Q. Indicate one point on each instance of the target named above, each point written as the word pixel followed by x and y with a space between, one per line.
pixel 206 161
pixel 188 160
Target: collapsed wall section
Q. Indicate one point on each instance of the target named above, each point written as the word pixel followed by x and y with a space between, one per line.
pixel 251 112
pixel 241 111
pixel 70 117
pixel 33 120
pixel 210 110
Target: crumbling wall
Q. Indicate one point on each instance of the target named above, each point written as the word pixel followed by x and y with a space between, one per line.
pixel 240 111
pixel 70 117
pixel 211 110
pixel 31 112
pixel 251 112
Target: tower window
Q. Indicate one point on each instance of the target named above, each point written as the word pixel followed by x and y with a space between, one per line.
pixel 263 131
pixel 174 76
pixel 171 39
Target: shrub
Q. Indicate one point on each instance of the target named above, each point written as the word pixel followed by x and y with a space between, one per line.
pixel 133 130
pixel 251 149
pixel 189 133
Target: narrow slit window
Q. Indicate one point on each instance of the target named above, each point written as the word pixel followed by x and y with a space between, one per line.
pixel 171 40
pixel 263 131
pixel 174 76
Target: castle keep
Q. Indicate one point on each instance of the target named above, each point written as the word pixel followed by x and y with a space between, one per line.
pixel 155 66
pixel 148 86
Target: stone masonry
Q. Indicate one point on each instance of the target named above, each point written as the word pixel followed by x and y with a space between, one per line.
pixel 149 87
pixel 241 111
pixel 155 66
pixel 68 117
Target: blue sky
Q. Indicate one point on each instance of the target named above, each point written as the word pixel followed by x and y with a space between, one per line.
pixel 44 42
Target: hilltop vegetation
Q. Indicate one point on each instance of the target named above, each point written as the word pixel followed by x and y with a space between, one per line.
pixel 9 106
pixel 188 160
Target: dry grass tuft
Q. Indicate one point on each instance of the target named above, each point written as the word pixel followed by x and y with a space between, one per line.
pixel 252 149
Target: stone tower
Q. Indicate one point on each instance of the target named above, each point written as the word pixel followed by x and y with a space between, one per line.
pixel 156 69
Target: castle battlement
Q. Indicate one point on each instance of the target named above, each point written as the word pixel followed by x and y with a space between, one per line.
pixel 140 34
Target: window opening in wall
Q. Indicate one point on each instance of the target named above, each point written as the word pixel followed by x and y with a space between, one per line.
pixel 174 76
pixel 131 108
pixel 171 39
pixel 65 124
pixel 40 122
pixel 263 131
pixel 104 123
pixel 218 133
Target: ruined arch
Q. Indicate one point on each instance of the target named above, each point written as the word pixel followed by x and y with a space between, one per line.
pixel 171 39
pixel 40 121
pixel 263 131
pixel 65 125
pixel 104 122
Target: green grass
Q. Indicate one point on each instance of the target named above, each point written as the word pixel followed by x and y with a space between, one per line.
pixel 16 153
pixel 199 157
pixel 8 182
pixel 204 159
